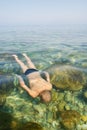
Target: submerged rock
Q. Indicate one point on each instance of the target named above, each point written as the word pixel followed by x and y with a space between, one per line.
pixel 82 127
pixel 67 77
pixel 7 83
pixel 6 121
pixel 85 94
pixel 61 106
pixel 31 126
pixel 84 118
pixel 70 119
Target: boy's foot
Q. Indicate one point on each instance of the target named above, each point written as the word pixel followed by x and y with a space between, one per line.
pixel 15 56
pixel 24 54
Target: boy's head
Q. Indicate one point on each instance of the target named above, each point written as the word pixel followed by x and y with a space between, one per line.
pixel 46 96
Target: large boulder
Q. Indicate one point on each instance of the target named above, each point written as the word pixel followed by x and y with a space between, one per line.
pixel 67 77
pixel 70 119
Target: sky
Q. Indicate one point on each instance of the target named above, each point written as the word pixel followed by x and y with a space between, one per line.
pixel 25 12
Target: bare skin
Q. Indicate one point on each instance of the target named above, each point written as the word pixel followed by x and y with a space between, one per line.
pixel 38 86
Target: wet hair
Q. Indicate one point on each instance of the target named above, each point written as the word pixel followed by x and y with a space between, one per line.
pixel 46 96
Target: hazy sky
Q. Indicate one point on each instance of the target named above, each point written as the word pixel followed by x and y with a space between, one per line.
pixel 43 12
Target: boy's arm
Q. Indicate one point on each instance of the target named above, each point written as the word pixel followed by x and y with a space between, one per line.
pixel 47 76
pixel 22 84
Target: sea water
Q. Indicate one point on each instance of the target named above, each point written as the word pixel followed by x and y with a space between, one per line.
pixel 46 46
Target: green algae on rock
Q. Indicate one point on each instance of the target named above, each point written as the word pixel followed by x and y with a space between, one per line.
pixel 67 77
pixel 70 119
pixel 2 99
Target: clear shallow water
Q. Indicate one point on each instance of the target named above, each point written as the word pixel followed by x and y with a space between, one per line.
pixel 46 45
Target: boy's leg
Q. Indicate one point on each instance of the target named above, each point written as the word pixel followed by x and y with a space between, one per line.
pixel 23 66
pixel 31 65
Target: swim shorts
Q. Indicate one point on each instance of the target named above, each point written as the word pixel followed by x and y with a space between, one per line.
pixel 28 71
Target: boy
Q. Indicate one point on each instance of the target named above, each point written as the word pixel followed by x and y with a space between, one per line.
pixel 38 86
